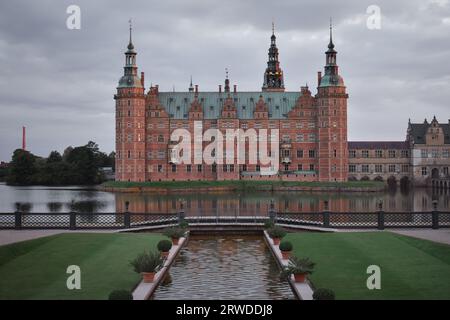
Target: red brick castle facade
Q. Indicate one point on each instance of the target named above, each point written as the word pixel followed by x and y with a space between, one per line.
pixel 312 129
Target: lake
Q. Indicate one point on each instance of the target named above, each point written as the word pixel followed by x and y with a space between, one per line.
pixel 88 200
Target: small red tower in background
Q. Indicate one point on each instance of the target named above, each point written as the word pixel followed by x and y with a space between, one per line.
pixel 24 138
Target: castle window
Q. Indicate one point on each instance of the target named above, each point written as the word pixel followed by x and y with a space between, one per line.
pixel 379 153
pixel 189 168
pixel 391 168
pixel 435 153
pixel 424 171
pixel 312 137
pixel 214 167
pixel 199 168
pixel 312 153
pixel 405 154
pixel 277 107
pixel 258 168
pixel 311 167
pixel 178 108
pixel 378 168
pixel 231 167
pixel 129 154
pixel 352 168
pixel 365 168
pixel 160 138
pixel 299 137
pixel 352 153
pixel 299 125
pixel 424 154
pixel 405 168
pixel 129 103
pixel 160 168
pixel 335 153
pixel 300 167
pixel 129 113
pixel 334 137
pixel 391 153
pixel 174 168
pixel 299 153
pixel 286 167
pixel 365 153
pixel 244 167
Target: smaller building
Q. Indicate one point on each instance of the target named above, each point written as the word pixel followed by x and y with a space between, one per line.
pixel 423 158
pixel 430 153
pixel 379 160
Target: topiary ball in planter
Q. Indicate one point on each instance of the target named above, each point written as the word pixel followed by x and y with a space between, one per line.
pixel 285 248
pixel 323 294
pixel 120 295
pixel 164 245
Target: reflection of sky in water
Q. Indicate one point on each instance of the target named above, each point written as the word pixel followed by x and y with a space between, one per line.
pixel 59 199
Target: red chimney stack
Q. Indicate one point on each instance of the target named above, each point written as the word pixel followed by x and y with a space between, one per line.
pixel 24 139
pixel 143 79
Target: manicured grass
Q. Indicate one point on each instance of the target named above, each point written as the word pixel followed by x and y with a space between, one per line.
pixel 242 185
pixel 410 268
pixel 36 269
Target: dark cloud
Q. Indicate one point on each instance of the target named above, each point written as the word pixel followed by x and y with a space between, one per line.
pixel 60 83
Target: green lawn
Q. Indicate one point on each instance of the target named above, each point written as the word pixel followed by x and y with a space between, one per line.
pixel 36 269
pixel 243 185
pixel 410 268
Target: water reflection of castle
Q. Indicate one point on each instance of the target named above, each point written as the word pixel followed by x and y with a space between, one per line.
pixel 259 203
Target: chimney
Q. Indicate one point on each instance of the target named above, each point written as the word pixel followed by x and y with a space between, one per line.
pixel 142 79
pixel 220 89
pixel 24 139
pixel 319 78
pixel 234 88
pixel 196 89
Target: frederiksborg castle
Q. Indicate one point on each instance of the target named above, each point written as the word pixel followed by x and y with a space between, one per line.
pixel 312 131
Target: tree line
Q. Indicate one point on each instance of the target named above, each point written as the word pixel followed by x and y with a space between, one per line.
pixel 76 166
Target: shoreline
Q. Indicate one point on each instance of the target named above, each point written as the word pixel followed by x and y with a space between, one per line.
pixel 229 186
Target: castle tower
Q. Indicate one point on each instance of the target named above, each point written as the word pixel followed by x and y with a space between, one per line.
pixel 332 120
pixel 130 121
pixel 273 76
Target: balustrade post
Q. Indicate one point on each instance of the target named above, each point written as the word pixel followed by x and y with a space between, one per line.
pixel 127 216
pixel 181 214
pixel 72 220
pixel 272 212
pixel 435 215
pixel 380 216
pixel 326 215
pixel 18 220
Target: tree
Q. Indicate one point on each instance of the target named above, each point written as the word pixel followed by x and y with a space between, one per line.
pixel 22 168
pixel 54 156
pixel 83 167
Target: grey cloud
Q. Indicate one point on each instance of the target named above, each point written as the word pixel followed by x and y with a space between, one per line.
pixel 60 83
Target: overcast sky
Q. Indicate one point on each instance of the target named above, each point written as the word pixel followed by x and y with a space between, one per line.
pixel 60 83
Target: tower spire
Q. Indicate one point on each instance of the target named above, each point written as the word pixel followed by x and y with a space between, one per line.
pixel 130 44
pixel 191 86
pixel 273 76
pixel 227 81
pixel 331 45
pixel 130 78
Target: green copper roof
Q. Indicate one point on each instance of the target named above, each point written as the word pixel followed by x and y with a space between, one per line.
pixel 331 81
pixel 130 81
pixel 177 104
